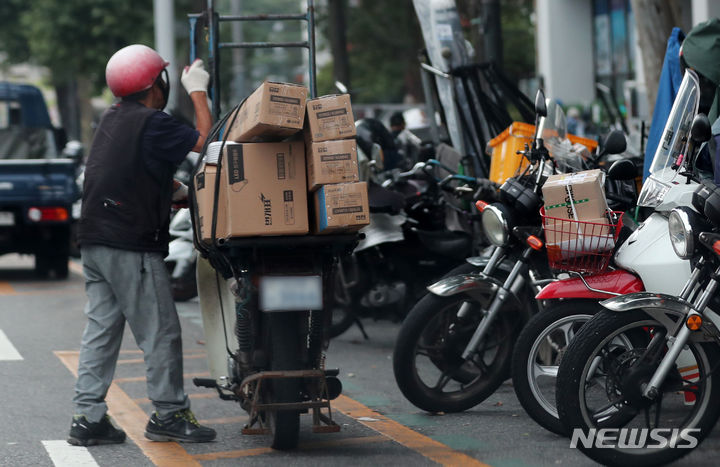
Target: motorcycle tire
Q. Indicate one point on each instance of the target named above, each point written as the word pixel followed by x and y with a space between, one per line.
pixel 601 330
pixel 285 355
pixel 548 331
pixel 417 323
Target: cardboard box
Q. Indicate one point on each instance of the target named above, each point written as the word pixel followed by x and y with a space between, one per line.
pixel 271 113
pixel 579 195
pixel 331 162
pixel 205 196
pixel 341 208
pixel 573 197
pixel 330 117
pixel 266 189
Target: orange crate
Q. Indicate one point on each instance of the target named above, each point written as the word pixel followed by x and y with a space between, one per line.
pixel 505 162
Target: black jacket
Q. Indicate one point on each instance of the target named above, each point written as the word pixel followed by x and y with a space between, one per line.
pixel 123 205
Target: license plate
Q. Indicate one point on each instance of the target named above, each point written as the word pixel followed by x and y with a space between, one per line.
pixel 7 218
pixel 290 293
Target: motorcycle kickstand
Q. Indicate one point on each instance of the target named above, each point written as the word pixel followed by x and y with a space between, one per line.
pixel 362 328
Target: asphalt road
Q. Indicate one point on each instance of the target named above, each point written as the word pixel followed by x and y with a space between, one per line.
pixel 42 322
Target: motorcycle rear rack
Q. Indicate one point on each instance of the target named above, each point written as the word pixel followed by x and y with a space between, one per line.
pixel 322 423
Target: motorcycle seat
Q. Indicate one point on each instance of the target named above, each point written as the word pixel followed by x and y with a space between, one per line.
pixel 383 200
pixel 451 243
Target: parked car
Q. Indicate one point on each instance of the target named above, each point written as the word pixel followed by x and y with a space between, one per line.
pixel 37 181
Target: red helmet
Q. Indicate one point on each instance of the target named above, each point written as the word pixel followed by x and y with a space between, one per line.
pixel 133 69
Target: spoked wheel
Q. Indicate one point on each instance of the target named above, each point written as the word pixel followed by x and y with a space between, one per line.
pixel 601 382
pixel 285 347
pixel 428 364
pixel 538 353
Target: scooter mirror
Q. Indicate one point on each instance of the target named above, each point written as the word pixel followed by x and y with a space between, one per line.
pixel 701 130
pixel 623 169
pixel 340 86
pixel 615 143
pixel 540 105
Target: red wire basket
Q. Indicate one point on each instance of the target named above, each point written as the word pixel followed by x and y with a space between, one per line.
pixel 579 246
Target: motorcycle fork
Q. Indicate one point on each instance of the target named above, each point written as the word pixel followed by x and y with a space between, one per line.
pixel 511 285
pixel 681 338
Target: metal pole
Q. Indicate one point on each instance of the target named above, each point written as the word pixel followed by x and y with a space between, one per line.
pixel 311 48
pixel 238 56
pixel 164 14
pixel 214 59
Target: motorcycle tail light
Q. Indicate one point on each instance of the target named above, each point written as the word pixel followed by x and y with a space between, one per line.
pixel 534 242
pixel 47 214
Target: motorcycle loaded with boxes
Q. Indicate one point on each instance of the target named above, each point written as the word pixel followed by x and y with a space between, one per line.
pixel 274 234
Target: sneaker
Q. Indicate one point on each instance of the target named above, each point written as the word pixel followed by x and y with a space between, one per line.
pixel 180 426
pixel 86 433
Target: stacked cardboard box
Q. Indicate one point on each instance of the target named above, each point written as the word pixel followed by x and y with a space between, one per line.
pixel 263 187
pixel 340 201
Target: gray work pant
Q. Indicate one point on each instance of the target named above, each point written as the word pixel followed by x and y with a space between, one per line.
pixel 128 286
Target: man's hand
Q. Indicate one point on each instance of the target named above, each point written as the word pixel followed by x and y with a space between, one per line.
pixel 194 78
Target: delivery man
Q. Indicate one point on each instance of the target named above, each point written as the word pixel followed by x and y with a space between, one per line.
pixel 123 236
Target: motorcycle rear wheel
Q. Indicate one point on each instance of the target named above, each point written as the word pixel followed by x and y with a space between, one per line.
pixel 285 355
pixel 590 359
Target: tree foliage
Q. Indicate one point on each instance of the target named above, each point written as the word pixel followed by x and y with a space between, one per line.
pixel 76 37
pixel 383 40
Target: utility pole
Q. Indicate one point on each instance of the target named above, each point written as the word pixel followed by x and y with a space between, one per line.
pixel 164 14
pixel 338 41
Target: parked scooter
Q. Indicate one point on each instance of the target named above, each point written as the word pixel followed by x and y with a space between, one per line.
pixel 407 245
pixel 397 258
pixel 182 256
pixel 642 260
pixel 454 348
pixel 643 369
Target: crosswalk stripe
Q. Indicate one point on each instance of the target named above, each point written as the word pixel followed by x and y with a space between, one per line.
pixel 7 350
pixel 64 455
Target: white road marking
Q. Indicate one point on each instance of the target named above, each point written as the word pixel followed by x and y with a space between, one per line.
pixel 7 350
pixel 64 455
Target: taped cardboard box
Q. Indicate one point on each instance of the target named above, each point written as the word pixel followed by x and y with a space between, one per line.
pixel 273 112
pixel 341 208
pixel 329 118
pixel 331 162
pixel 574 197
pixel 205 197
pixel 266 189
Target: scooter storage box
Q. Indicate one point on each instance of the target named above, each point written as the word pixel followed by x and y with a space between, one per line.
pixel 504 160
pixel 331 162
pixel 273 112
pixel 342 207
pixel 329 118
pixel 266 189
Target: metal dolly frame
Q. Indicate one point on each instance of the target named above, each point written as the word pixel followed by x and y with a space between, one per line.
pixel 214 45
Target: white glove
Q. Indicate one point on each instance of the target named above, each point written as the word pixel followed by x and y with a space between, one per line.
pixel 195 78
pixel 180 191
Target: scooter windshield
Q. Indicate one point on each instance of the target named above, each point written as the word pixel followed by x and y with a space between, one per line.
pixel 674 142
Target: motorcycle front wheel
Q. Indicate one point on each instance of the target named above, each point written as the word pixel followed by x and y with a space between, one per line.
pixel 285 344
pixel 427 362
pixel 538 351
pixel 601 382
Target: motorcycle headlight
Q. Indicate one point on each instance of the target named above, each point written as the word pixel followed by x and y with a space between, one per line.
pixel 681 233
pixel 495 225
